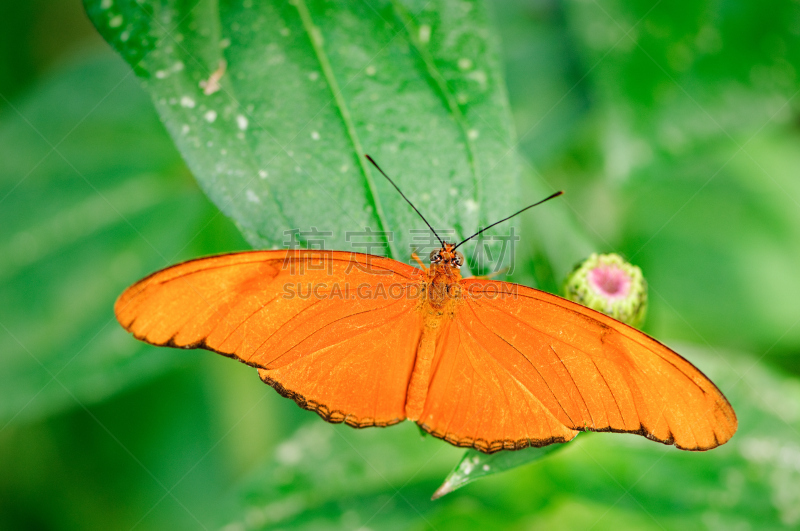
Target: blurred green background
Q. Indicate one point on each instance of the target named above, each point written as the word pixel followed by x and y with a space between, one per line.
pixel 673 127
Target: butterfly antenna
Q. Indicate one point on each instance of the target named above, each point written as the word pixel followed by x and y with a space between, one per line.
pixel 509 217
pixel 404 197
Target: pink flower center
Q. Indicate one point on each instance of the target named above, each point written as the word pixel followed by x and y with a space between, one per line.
pixel 610 281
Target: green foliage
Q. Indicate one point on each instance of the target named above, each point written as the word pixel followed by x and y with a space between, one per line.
pixel 737 242
pixel 335 478
pixel 83 214
pixel 306 89
pixel 672 128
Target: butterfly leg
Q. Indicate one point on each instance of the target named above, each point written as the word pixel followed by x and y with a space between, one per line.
pixel 417 259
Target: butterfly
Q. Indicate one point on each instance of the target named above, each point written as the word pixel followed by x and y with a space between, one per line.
pixel 480 363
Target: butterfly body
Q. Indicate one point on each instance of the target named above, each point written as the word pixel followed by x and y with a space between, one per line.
pixel 439 306
pixel 443 282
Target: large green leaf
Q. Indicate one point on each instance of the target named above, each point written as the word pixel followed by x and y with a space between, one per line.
pixel 309 87
pixel 93 196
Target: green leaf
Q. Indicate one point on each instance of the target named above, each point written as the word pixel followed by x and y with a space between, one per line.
pixel 475 465
pixel 373 478
pixel 93 197
pixel 306 88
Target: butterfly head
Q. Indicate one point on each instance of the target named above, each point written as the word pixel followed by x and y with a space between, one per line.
pixel 448 256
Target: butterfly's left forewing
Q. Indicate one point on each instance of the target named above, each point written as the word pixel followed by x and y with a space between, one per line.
pixel 335 331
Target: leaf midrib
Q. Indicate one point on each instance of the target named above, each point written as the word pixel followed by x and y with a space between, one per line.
pixel 322 58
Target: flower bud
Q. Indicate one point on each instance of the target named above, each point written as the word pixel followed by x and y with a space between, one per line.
pixel 609 284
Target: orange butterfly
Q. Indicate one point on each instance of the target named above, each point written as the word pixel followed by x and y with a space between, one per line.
pixel 370 341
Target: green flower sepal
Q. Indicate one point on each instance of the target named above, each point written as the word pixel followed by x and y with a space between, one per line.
pixel 609 284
